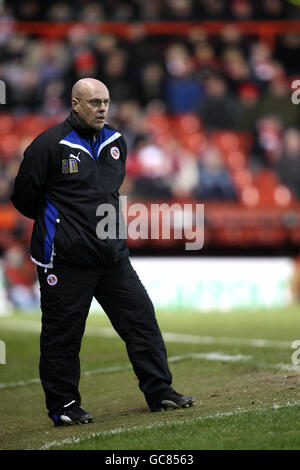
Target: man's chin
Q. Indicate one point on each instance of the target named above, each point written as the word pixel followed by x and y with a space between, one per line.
pixel 98 126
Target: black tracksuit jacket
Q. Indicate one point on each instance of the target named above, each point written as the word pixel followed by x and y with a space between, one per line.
pixel 66 173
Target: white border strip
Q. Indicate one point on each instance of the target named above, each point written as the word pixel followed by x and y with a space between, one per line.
pixel 239 411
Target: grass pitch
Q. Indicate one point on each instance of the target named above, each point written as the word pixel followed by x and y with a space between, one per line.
pixel 238 366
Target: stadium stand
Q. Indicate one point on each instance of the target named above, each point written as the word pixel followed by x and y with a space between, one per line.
pixel 202 91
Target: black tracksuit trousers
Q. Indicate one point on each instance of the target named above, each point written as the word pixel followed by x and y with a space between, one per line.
pixel 65 306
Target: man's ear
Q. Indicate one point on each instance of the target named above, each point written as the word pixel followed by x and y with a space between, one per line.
pixel 75 103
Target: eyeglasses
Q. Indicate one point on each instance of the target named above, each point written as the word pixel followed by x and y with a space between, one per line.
pixel 95 103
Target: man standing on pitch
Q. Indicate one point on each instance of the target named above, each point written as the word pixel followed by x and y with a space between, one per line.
pixel 67 172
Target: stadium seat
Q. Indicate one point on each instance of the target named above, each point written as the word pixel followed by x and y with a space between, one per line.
pixel 250 196
pixel 196 143
pixel 9 144
pixel 236 159
pixel 230 141
pixel 6 123
pixel 283 196
pixel 266 190
pixel 186 123
pixel 265 178
pixel 34 124
pixel 242 177
pixel 158 124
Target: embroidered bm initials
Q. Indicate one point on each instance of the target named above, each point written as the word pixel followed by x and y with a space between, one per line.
pixel 69 166
pixel 73 168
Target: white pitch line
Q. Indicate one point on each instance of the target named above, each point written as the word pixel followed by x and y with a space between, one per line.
pixel 239 411
pixel 194 339
pixel 288 367
pixel 108 332
pixel 212 356
pixel 15 324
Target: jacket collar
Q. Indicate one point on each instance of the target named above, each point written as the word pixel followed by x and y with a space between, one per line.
pixel 86 133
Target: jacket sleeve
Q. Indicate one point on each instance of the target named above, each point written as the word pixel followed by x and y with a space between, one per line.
pixel 29 185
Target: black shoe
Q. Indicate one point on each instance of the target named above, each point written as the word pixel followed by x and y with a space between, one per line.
pixel 71 414
pixel 173 400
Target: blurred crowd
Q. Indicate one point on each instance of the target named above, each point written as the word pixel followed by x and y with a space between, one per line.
pixel 154 10
pixel 173 97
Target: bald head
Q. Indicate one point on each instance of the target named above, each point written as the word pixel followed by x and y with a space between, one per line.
pixel 86 87
pixel 90 103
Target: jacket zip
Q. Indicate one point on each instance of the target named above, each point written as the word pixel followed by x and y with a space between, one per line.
pixel 106 198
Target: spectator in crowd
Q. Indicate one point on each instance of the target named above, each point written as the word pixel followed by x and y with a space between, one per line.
pixel 235 68
pixel 29 10
pixel 151 85
pixel 261 63
pixel 267 143
pixel 231 37
pixel 20 278
pixel 205 60
pixel 243 9
pixel 128 117
pixel 184 92
pixel 287 167
pixel 4 188
pixel 60 11
pixel 53 103
pixel 92 12
pixel 277 102
pixel 186 176
pixel 153 170
pixel 214 10
pixel 287 51
pixel 249 97
pixel 178 10
pixel 214 182
pixel 271 10
pixel 220 109
pixel 115 72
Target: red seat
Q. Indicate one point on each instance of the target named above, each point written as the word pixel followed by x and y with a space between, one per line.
pixel 242 178
pixel 186 123
pixel 34 124
pixel 250 196
pixel 9 144
pixel 283 196
pixel 196 143
pixel 6 124
pixel 158 124
pixel 236 159
pixel 230 141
